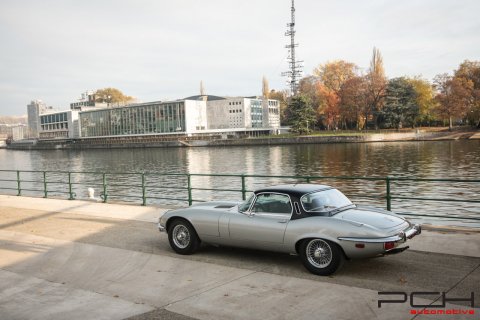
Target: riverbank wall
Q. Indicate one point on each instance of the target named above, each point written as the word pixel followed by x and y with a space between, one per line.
pixel 160 142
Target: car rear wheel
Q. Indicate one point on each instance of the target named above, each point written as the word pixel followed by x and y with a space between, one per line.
pixel 320 256
pixel 182 237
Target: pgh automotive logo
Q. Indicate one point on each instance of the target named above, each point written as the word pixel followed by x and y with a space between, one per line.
pixel 436 309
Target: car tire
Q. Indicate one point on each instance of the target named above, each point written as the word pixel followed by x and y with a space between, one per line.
pixel 321 257
pixel 182 237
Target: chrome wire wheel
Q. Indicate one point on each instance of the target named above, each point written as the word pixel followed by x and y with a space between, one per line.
pixel 181 236
pixel 319 253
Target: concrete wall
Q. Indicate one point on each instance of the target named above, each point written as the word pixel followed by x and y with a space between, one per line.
pixel 195 116
pixel 73 128
pixel 217 114
pixel 232 112
pixel 177 142
pixel 271 113
pixel 19 132
pixel 248 113
pixel 34 109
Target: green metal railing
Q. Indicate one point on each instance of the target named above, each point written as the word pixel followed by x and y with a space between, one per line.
pixel 142 187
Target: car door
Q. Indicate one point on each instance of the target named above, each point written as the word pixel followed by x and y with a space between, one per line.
pixel 265 222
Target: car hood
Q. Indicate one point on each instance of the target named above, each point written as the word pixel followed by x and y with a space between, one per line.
pixel 379 219
pixel 215 205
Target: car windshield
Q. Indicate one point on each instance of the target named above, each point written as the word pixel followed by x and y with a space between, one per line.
pixel 325 201
pixel 243 207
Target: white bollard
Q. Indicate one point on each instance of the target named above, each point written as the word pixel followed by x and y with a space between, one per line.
pixel 91 193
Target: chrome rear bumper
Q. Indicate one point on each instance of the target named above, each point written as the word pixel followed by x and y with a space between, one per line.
pixel 412 232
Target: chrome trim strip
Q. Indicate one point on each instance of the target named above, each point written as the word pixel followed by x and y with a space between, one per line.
pixel 410 233
pixel 372 240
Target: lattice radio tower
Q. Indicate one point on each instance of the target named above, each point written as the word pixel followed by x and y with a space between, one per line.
pixel 295 72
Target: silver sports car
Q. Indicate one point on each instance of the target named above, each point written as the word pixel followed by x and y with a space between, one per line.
pixel 317 222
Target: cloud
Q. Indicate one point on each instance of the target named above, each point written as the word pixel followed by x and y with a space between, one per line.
pixel 154 50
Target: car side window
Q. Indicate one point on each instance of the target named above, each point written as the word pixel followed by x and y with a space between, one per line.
pixel 273 203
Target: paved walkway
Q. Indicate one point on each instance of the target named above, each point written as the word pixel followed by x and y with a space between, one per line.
pixel 63 259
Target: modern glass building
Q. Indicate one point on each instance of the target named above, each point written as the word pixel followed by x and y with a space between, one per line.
pixel 58 125
pixel 256 113
pixel 205 115
pixel 146 118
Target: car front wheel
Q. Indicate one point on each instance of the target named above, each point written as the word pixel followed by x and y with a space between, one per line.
pixel 320 256
pixel 182 237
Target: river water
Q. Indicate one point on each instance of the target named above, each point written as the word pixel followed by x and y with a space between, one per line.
pixel 428 159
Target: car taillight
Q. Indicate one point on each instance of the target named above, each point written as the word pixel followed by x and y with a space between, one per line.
pixel 389 245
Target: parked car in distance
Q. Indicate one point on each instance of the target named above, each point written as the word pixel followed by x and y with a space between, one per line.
pixel 317 222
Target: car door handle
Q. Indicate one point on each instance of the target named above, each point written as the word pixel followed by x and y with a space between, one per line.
pixel 282 221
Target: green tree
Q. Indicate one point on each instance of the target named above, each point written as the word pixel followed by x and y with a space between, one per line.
pixel 300 113
pixel 308 87
pixel 112 96
pixel 401 108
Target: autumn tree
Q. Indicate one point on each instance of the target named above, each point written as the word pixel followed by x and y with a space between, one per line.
pixel 335 73
pixel 470 71
pixel 377 83
pixel 112 96
pixel 401 108
pixel 354 102
pixel 331 76
pixel 300 114
pixel 453 97
pixel 328 111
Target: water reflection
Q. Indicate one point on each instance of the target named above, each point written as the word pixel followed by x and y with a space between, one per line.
pixel 440 159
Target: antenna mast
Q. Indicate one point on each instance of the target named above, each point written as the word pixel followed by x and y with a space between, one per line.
pixel 295 72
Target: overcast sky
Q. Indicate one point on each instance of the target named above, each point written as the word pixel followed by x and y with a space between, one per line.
pixel 158 50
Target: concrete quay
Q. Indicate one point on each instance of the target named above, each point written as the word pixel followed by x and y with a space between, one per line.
pixel 161 141
pixel 62 259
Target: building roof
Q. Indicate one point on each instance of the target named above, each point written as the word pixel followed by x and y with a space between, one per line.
pixel 209 98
